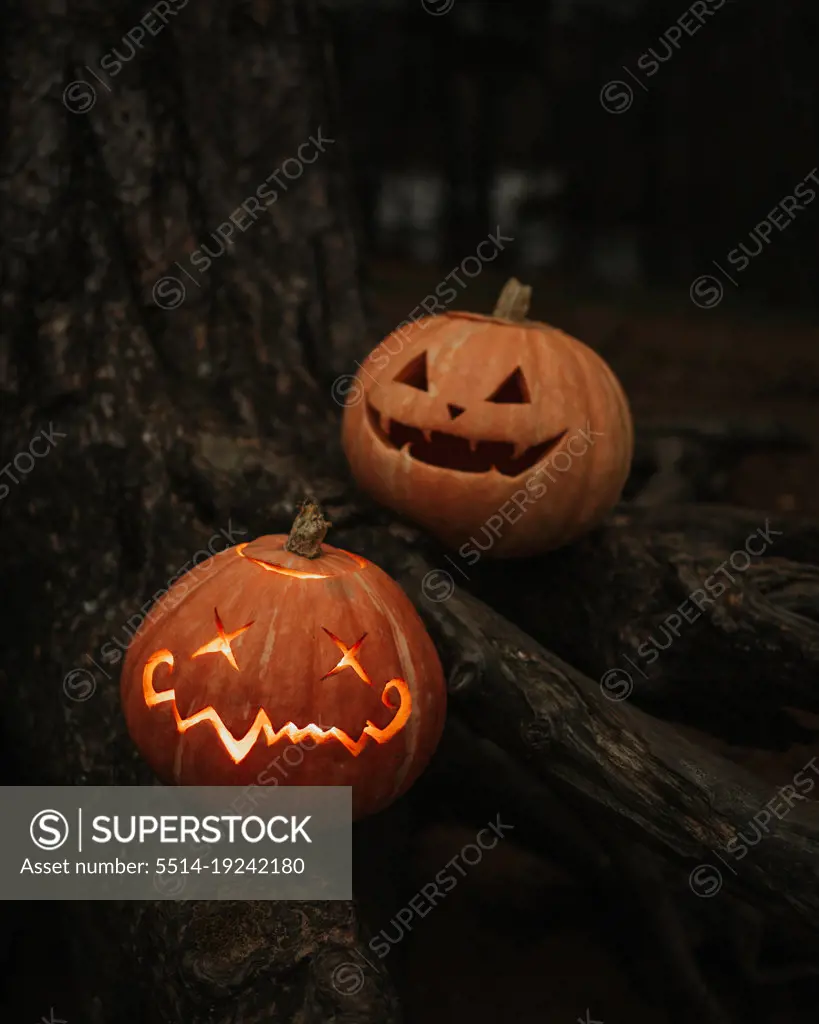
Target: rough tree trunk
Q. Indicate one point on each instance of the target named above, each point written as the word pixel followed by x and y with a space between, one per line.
pixel 113 176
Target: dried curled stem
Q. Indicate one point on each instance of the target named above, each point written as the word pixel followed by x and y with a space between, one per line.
pixel 308 531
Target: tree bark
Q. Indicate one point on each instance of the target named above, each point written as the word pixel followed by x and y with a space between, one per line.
pixel 125 353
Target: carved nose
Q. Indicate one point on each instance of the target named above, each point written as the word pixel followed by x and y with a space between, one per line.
pixel 455 411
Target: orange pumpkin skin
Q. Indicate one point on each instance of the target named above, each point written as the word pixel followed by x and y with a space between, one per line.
pixel 240 676
pixel 549 423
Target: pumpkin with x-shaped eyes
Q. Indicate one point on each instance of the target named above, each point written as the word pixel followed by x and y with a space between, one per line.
pixel 494 432
pixel 284 668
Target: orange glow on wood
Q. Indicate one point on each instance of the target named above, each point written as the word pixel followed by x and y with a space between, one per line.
pixel 348 658
pixel 221 644
pixel 238 749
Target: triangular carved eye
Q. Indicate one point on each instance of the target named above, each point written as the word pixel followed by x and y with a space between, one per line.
pixel 415 373
pixel 513 390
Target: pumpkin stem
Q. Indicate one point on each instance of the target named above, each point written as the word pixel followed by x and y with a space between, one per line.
pixel 308 530
pixel 513 301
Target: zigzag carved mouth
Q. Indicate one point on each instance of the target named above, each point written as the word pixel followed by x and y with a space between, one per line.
pixel 447 451
pixel 238 747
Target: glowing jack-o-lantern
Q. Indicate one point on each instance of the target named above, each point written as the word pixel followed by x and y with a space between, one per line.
pixel 285 668
pixel 494 432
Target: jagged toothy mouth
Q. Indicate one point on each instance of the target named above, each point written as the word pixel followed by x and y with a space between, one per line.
pixel 447 451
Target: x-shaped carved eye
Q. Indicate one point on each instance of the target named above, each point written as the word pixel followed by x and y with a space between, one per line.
pixel 348 658
pixel 221 644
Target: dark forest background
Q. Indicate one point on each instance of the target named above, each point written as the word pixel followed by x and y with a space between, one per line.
pixel 493 113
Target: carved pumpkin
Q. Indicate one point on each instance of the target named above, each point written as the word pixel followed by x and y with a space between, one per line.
pixel 493 432
pixel 285 643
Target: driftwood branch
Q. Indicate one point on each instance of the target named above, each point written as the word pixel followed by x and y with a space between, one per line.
pixel 597 751
pixel 657 785
pixel 706 613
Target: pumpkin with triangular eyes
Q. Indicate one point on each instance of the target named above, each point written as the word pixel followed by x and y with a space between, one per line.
pixel 495 433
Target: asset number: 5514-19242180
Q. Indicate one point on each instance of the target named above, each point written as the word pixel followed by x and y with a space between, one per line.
pixel 231 865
